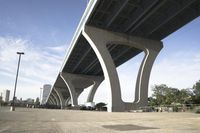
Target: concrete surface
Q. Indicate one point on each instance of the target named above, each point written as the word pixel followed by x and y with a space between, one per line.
pixel 27 120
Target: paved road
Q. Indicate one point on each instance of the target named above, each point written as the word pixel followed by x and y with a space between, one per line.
pixel 25 120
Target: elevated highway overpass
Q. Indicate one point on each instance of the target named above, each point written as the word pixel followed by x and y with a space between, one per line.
pixel 110 33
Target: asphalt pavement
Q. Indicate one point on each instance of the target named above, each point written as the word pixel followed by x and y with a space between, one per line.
pixel 28 120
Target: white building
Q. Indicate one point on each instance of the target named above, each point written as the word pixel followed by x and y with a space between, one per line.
pixel 45 93
pixel 5 95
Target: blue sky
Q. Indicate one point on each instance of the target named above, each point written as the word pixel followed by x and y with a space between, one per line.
pixel 43 29
pixel 44 22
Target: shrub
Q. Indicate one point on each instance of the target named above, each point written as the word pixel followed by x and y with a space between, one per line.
pixel 197 111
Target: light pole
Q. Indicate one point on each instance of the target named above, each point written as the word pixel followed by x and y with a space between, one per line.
pixel 13 102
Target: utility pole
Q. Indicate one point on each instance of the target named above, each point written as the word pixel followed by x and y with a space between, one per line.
pixel 13 102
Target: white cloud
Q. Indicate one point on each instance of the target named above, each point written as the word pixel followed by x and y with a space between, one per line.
pixel 61 48
pixel 127 75
pixel 41 65
pixel 179 70
pixel 38 65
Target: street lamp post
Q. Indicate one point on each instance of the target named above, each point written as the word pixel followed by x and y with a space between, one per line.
pixel 13 102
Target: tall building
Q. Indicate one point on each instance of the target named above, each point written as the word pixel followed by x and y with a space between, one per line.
pixel 45 93
pixel 6 95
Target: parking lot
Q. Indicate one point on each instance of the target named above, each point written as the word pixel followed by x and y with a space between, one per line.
pixel 30 120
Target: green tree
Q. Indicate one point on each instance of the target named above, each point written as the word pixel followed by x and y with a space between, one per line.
pixel 171 96
pixel 185 96
pixel 37 102
pixel 159 93
pixel 164 95
pixel 152 101
pixel 196 93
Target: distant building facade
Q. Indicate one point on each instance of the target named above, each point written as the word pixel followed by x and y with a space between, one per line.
pixel 5 95
pixel 45 93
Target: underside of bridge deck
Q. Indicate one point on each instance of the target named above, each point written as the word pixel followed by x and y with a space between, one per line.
pixel 141 24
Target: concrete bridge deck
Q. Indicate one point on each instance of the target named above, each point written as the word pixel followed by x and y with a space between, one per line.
pixel 110 33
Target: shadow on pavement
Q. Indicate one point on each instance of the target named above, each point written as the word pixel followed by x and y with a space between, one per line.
pixel 127 127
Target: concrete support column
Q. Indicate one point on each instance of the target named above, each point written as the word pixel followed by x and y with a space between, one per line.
pixel 142 83
pixel 99 39
pixel 76 84
pixel 93 90
pixel 98 42
pixel 56 99
pixel 52 99
pixel 67 101
pixel 59 94
pixel 73 93
pixel 51 102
